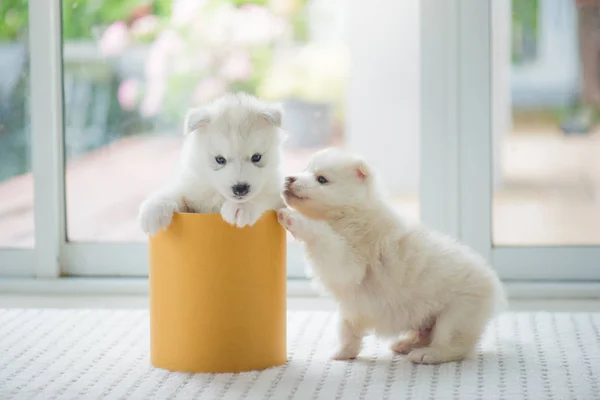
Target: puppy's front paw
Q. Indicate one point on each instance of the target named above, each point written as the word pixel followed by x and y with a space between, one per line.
pixel 284 216
pixel 247 216
pixel 293 222
pixel 229 212
pixel 156 214
pixel 239 214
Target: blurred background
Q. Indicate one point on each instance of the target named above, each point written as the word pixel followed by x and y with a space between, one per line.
pixel 132 67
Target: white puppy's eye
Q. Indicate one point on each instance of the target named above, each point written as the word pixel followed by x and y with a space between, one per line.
pixel 256 158
pixel 220 160
pixel 322 180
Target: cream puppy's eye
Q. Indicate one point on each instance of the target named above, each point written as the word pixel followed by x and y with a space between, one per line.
pixel 256 158
pixel 322 180
pixel 220 160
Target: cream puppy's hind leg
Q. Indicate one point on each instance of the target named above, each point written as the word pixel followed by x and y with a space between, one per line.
pixel 411 340
pixel 456 333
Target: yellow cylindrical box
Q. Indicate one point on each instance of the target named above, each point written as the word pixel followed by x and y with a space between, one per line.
pixel 218 295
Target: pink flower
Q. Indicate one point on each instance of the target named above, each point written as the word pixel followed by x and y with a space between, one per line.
pixel 237 67
pixel 208 89
pixel 145 26
pixel 284 7
pixel 219 26
pixel 161 50
pixel 201 59
pixel 256 26
pixel 184 11
pixel 153 98
pixel 114 39
pixel 128 94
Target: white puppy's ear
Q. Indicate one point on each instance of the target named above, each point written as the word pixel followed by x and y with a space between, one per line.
pixel 272 113
pixel 196 118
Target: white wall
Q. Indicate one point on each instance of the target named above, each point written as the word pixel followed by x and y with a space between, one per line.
pixel 501 79
pixel 383 103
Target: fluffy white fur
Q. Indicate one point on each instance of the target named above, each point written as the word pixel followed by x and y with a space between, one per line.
pixel 389 276
pixel 233 128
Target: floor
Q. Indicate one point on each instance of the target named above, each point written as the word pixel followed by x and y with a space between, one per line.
pixel 112 354
pixel 294 303
pixel 551 186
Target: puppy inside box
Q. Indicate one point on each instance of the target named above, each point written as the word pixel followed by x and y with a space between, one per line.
pixel 204 297
pixel 230 164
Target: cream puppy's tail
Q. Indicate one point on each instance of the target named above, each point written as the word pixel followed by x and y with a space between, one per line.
pixel 501 304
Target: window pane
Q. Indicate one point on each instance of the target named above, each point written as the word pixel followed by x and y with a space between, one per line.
pixel 131 69
pixel 547 137
pixel 16 180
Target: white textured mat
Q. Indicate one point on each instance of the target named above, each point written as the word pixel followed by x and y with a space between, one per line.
pixel 91 354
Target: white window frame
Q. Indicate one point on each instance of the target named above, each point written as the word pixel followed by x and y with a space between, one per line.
pixel 456 148
pixel 44 260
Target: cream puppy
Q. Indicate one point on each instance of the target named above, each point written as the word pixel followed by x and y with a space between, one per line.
pixel 230 164
pixel 388 276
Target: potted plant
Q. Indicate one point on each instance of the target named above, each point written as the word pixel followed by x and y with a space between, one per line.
pixel 311 79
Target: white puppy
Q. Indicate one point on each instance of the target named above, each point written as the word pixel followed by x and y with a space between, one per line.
pixel 229 164
pixel 388 276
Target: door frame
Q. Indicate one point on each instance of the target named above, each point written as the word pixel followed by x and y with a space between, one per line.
pixel 476 155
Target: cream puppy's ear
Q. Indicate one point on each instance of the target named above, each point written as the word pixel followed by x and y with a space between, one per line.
pixel 196 118
pixel 273 113
pixel 362 170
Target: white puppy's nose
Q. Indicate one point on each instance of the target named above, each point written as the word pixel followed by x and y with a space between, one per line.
pixel 289 180
pixel 240 189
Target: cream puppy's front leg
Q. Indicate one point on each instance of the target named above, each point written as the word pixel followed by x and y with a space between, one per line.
pixel 327 252
pixel 350 335
pixel 302 229
pixel 336 267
